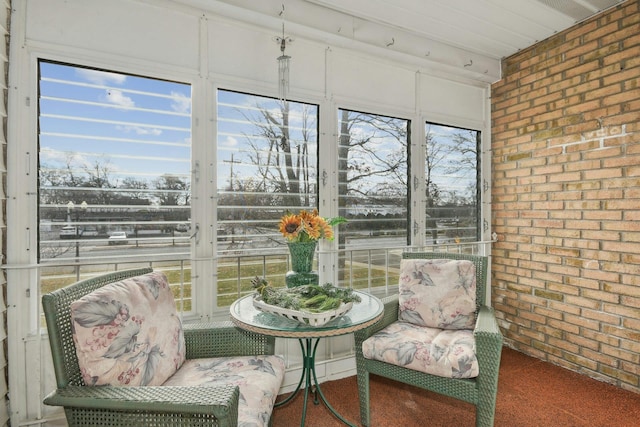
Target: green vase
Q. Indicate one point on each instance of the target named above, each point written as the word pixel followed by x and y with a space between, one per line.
pixel 302 254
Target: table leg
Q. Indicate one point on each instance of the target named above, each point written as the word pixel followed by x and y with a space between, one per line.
pixel 311 381
pixel 302 377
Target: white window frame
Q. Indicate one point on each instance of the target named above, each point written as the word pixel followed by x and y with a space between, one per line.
pixel 22 272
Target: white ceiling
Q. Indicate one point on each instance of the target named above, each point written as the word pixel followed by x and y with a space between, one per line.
pixel 474 34
pixel 495 28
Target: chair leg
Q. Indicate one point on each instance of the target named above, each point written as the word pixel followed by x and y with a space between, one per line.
pixel 485 414
pixel 363 395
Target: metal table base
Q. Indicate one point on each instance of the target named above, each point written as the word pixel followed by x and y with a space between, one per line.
pixel 310 380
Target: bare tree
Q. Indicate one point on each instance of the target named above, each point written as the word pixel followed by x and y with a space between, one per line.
pixel 173 190
pixel 453 154
pixel 368 170
pixel 283 164
pixel 360 151
pixel 135 188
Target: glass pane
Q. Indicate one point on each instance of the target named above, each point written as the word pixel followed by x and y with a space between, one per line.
pixel 267 165
pixel 114 166
pixel 451 171
pixel 373 189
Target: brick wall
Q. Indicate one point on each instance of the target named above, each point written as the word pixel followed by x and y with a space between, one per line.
pixel 566 198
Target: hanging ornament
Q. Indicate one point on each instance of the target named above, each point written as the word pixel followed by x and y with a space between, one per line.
pixel 284 61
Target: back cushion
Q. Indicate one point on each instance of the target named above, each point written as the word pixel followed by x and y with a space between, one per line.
pixel 438 293
pixel 128 333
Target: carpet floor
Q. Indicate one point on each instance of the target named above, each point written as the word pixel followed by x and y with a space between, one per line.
pixel 531 393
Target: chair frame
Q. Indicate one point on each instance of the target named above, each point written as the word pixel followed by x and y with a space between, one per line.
pixel 143 405
pixel 480 391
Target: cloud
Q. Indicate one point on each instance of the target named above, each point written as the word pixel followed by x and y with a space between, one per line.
pixel 54 156
pixel 116 97
pixel 229 142
pixel 138 130
pixel 48 154
pixel 180 103
pixel 101 77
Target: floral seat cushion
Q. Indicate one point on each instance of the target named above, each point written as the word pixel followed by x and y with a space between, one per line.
pixel 442 352
pixel 258 377
pixel 438 293
pixel 128 333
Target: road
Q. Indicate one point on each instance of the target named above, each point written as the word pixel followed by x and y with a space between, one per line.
pixel 65 249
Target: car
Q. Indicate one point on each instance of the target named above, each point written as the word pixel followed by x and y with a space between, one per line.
pixel 222 234
pixel 68 232
pixel 118 238
pixel 183 227
pixel 89 232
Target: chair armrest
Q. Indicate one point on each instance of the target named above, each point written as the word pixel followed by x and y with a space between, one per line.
pixel 219 339
pixel 390 315
pixel 486 328
pixel 488 347
pixel 221 401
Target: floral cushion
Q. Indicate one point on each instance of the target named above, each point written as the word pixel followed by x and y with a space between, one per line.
pixel 258 377
pixel 438 293
pixel 128 333
pixel 442 352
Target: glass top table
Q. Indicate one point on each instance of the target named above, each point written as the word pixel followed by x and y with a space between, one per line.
pixel 363 314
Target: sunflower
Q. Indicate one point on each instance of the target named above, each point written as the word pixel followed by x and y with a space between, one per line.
pixel 327 230
pixel 307 226
pixel 290 226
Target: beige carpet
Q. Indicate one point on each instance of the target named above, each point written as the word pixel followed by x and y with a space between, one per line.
pixel 531 393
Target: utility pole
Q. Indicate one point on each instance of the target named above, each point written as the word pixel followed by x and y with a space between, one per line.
pixel 231 170
pixel 233 230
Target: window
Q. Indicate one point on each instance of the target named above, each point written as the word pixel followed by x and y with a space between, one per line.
pixel 452 175
pixel 373 191
pixel 114 168
pixel 115 182
pixel 267 165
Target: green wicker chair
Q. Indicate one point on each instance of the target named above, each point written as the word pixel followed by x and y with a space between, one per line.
pixel 143 405
pixel 480 391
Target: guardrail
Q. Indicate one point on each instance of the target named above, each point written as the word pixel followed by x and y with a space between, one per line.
pixel 372 269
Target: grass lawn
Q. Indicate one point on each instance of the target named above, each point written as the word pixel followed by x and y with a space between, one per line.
pixel 234 277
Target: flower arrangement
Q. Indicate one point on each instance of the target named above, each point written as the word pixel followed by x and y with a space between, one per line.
pixel 307 226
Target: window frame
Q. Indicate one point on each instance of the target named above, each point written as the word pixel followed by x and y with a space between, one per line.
pixel 477 145
pixel 99 214
pixel 279 253
pixel 203 250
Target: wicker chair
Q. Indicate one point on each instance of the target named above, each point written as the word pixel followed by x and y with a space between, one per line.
pixel 143 405
pixel 480 391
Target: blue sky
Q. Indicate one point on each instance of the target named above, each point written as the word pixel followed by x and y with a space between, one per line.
pixel 234 131
pixel 140 126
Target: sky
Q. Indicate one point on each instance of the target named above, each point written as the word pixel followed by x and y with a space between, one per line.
pixel 236 112
pixel 141 127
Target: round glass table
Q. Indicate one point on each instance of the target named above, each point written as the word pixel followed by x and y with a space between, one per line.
pixel 363 314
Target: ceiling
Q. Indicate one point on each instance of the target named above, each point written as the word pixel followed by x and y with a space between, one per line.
pixel 495 28
pixel 470 34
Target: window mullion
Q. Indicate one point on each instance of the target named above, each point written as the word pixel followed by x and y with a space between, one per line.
pixel 328 191
pixel 417 184
pixel 204 179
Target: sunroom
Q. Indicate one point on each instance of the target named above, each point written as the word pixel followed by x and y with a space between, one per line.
pixel 175 134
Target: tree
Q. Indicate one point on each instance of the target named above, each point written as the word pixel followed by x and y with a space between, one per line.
pixel 367 167
pixel 372 165
pixel 283 162
pixel 450 162
pixel 135 188
pixel 172 190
